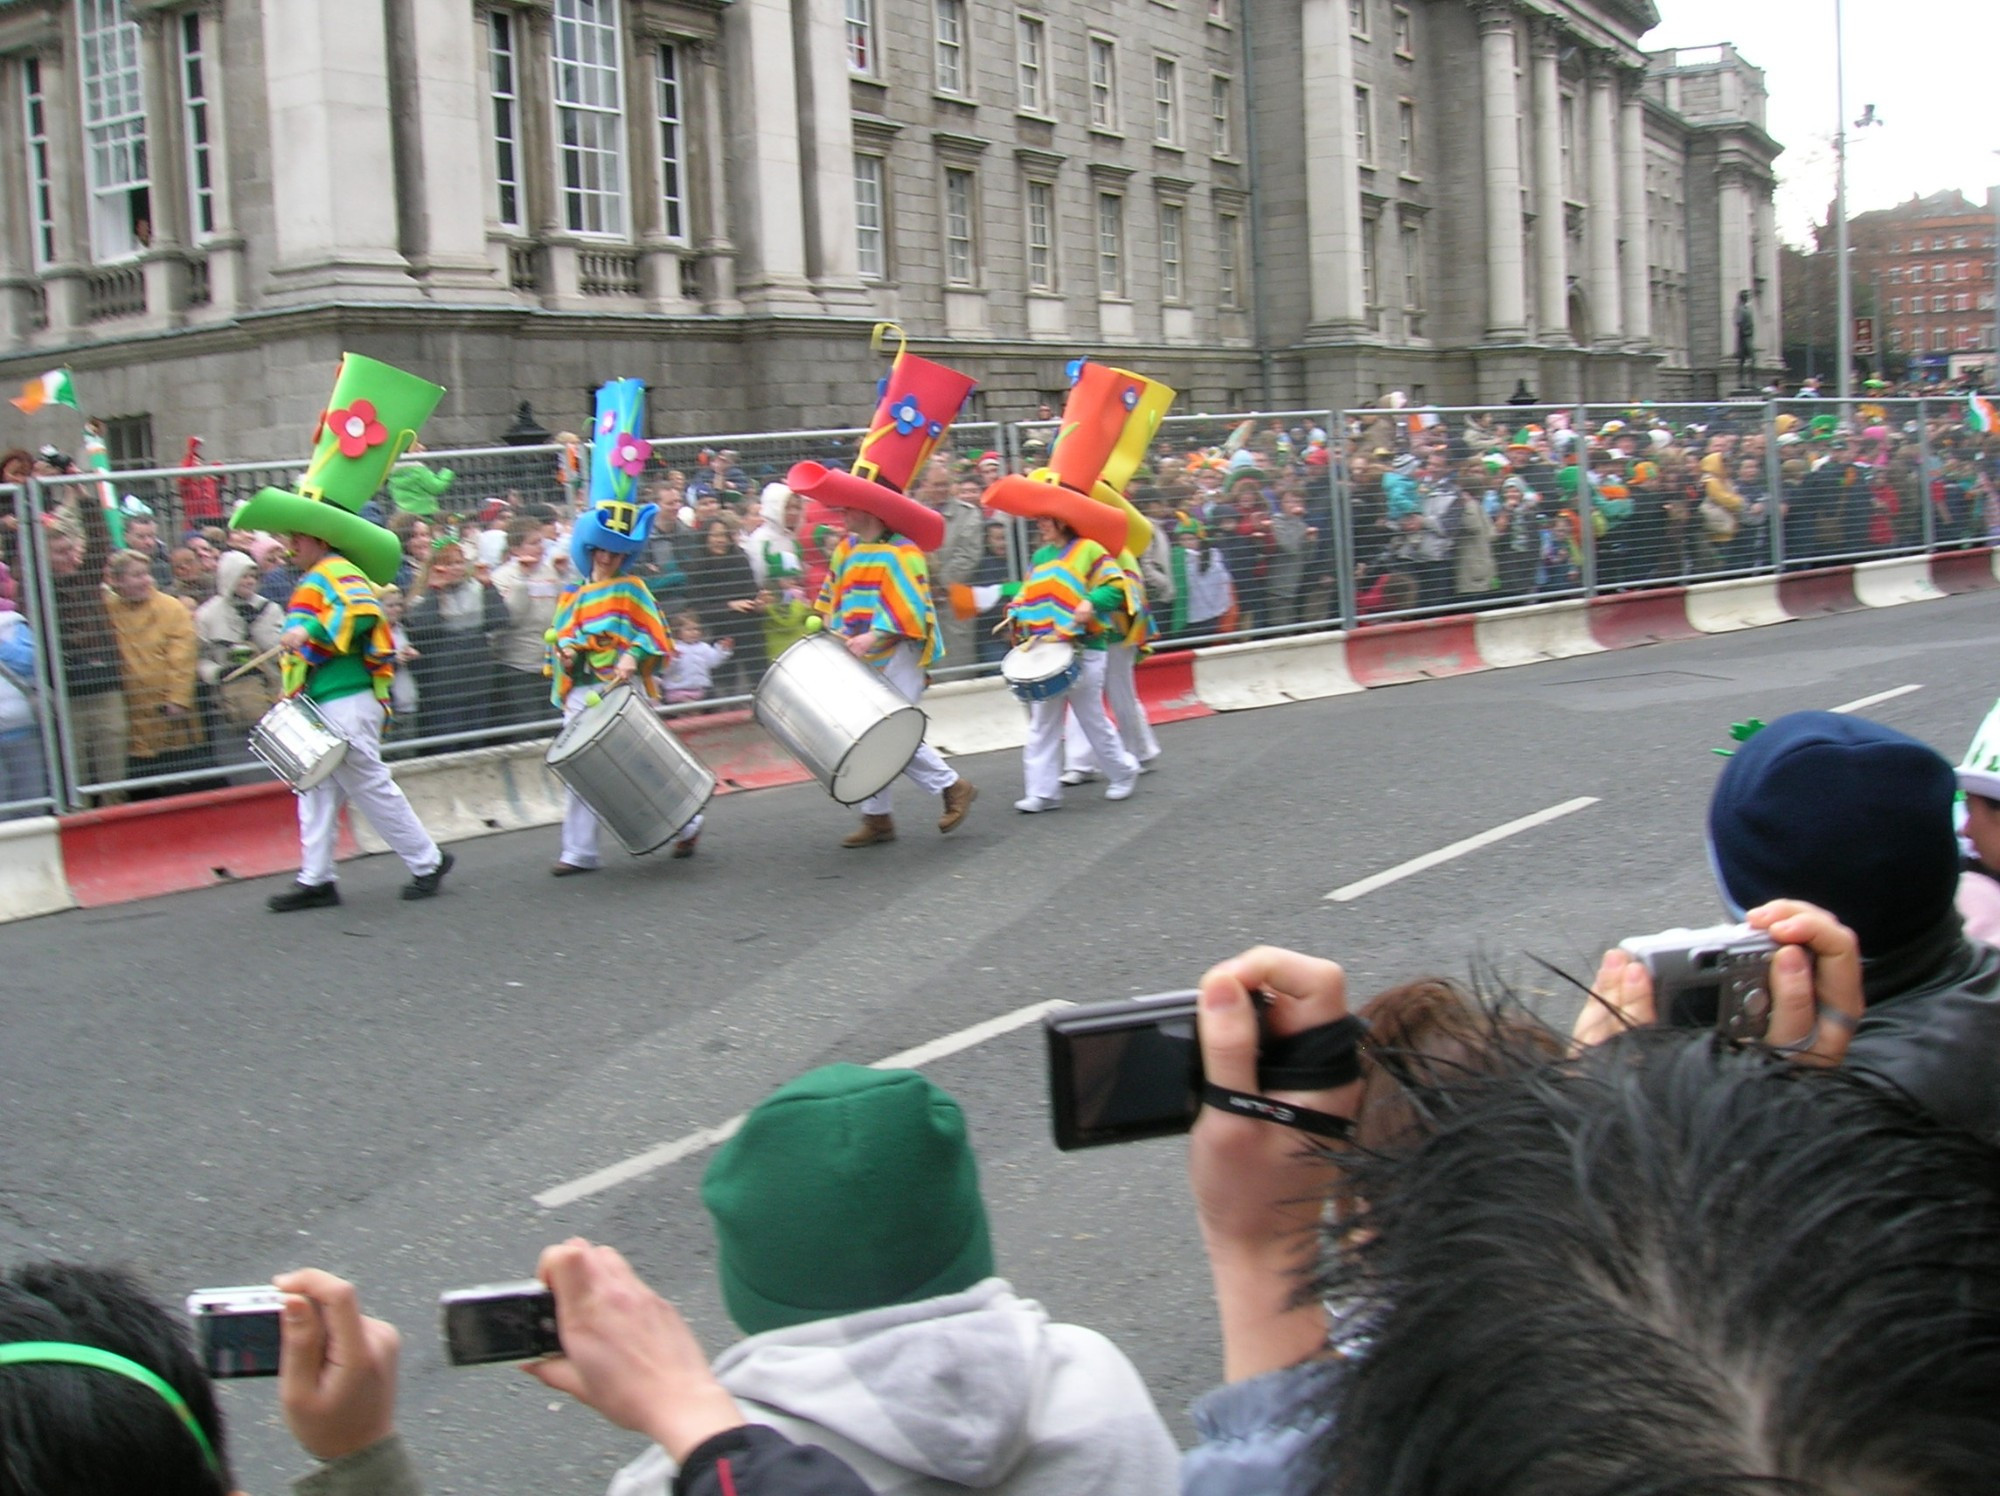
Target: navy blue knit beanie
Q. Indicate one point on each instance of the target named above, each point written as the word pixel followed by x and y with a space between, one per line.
pixel 1842 812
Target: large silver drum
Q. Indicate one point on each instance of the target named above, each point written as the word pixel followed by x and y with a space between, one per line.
pixel 638 777
pixel 296 742
pixel 850 727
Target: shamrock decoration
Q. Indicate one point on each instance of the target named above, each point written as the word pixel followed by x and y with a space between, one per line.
pixel 629 454
pixel 1741 732
pixel 907 414
pixel 356 428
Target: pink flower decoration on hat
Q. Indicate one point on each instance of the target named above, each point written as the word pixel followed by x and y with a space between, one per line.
pixel 629 454
pixel 606 422
pixel 356 428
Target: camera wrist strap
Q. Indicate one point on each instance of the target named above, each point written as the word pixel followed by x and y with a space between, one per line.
pixel 1320 1059
pixel 1284 1113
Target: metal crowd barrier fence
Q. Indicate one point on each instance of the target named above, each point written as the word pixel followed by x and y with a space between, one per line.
pixel 1271 523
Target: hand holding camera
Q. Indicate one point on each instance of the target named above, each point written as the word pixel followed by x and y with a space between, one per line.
pixel 337 1367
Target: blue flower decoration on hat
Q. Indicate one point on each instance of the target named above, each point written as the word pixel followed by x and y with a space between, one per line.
pixel 1074 369
pixel 907 414
pixel 936 430
pixel 881 389
pixel 1130 397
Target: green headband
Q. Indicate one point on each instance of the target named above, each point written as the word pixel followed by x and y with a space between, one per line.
pixel 63 1353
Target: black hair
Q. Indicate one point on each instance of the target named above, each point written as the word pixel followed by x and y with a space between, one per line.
pixel 1670 1266
pixel 79 1431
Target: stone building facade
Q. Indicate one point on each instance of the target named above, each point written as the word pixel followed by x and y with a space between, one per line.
pixel 1263 203
pixel 1926 267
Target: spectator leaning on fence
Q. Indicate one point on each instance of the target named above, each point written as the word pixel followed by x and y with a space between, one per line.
pixel 529 582
pixel 235 627
pixel 156 646
pixel 23 769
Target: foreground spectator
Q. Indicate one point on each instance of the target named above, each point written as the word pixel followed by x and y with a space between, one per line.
pixel 451 626
pixel 156 645
pixel 23 770
pixel 529 581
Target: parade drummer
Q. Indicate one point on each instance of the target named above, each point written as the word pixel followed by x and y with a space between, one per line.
pixel 607 631
pixel 877 594
pixel 339 654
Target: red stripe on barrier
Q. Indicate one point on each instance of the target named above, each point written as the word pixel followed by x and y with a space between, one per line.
pixel 127 852
pixel 1804 594
pixel 1963 571
pixel 1166 687
pixel 1388 654
pixel 740 753
pixel 1633 618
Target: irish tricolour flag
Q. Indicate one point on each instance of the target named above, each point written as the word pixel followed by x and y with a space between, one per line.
pixel 52 388
pixel 1981 414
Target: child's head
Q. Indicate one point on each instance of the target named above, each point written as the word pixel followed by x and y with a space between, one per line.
pixel 392 604
pixel 687 627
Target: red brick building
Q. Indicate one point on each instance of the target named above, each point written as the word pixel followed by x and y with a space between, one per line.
pixel 1927 268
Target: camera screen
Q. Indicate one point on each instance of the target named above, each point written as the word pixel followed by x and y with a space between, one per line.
pixel 503 1328
pixel 239 1345
pixel 1131 1082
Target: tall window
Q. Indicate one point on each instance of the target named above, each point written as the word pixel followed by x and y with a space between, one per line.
pixel 1218 11
pixel 1030 52
pixel 195 126
pixel 1110 244
pixel 1371 278
pixel 1220 110
pixel 1103 84
pixel 1166 101
pixel 1413 272
pixel 1406 137
pixel 1357 17
pixel 673 143
pixel 1173 233
pixel 870 248
pixel 861 36
pixel 1228 257
pixel 1406 32
pixel 1567 127
pixel 959 219
pixel 41 174
pixel 950 34
pixel 1364 126
pixel 114 130
pixel 506 90
pixel 1041 209
pixel 590 124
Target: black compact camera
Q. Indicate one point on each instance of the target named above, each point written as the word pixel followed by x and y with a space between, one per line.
pixel 236 1329
pixel 1119 1071
pixel 1719 978
pixel 499 1322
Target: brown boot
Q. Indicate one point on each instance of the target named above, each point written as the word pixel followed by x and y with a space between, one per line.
pixel 872 829
pixel 958 798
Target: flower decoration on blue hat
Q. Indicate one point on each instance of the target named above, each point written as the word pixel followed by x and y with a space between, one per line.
pixel 629 454
pixel 1074 370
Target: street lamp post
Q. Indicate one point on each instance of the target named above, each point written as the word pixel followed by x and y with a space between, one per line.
pixel 1843 297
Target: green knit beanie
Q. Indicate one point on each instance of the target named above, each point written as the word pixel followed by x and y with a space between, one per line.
pixel 847 1189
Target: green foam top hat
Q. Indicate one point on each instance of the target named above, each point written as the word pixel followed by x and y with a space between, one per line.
pixel 370 420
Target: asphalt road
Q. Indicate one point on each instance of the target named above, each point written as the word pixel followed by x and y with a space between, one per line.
pixel 213 1094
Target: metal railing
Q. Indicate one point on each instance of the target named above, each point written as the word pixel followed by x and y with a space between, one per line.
pixel 1269 523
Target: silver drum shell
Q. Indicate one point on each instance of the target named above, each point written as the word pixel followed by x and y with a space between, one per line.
pixel 845 723
pixel 296 742
pixel 623 763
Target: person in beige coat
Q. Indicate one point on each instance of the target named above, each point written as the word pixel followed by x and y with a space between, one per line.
pixel 156 646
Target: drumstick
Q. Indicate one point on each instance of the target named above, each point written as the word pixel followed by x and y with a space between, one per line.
pixel 249 665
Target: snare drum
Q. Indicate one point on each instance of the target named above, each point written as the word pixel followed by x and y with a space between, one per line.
pixel 844 722
pixel 639 778
pixel 1041 668
pixel 296 742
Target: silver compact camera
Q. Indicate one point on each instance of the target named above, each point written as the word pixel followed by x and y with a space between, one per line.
pixel 1719 977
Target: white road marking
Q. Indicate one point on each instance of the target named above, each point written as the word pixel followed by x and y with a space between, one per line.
pixel 1875 700
pixel 656 1158
pixel 1460 848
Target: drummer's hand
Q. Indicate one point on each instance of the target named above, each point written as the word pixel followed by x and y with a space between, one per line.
pixel 294 638
pixel 863 644
pixel 743 605
pixel 625 669
pixel 1084 613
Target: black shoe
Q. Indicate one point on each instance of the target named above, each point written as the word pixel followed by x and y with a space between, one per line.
pixel 304 896
pixel 425 885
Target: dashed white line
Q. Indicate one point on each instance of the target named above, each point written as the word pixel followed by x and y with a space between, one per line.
pixel 1460 848
pixel 639 1165
pixel 1876 700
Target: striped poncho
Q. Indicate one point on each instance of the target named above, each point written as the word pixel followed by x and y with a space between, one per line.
pixel 1064 577
pixel 599 621
pixel 1137 614
pixel 338 608
pixel 884 585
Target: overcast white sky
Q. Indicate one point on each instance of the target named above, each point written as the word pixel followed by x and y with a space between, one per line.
pixel 1931 68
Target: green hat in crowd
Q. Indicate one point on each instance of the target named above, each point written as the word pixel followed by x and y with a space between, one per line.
pixel 848 1189
pixel 370 420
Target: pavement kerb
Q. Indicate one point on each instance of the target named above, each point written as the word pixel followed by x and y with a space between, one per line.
pixel 1724 607
pixel 1541 631
pixel 1891 583
pixel 1270 672
pixel 31 869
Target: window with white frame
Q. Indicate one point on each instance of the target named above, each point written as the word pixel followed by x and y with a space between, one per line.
pixel 1218 12
pixel 1040 205
pixel 1229 259
pixel 1406 32
pixel 1961 271
pixel 1221 113
pixel 1173 236
pixel 196 121
pixel 1940 340
pixel 1937 242
pixel 1357 17
pixel 1895 306
pixel 668 112
pixel 961 191
pixel 1896 339
pixel 1031 60
pixel 504 86
pixel 41 171
pixel 1110 244
pixel 870 224
pixel 1962 302
pixel 949 34
pixel 1937 303
pixel 861 36
pixel 1413 269
pixel 1406 137
pixel 590 117
pixel 1371 281
pixel 1166 101
pixel 1937 272
pixel 1103 83
pixel 1567 119
pixel 114 130
pixel 1364 126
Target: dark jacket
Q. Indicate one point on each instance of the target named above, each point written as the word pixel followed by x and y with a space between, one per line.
pixel 757 1461
pixel 84 636
pixel 1932 1027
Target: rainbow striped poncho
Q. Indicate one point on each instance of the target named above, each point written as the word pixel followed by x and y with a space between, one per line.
pixel 602 620
pixel 1140 629
pixel 339 610
pixel 1062 579
pixel 884 585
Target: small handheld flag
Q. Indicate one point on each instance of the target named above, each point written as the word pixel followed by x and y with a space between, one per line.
pixel 52 388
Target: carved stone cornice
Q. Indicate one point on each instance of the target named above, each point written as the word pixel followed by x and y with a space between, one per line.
pixel 1494 15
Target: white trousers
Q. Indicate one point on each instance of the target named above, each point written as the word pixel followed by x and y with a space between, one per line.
pixel 1083 704
pixel 581 829
pixel 1121 689
pixel 927 771
pixel 363 779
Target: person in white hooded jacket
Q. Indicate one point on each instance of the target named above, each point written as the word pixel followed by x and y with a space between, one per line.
pixel 23 769
pixel 853 1250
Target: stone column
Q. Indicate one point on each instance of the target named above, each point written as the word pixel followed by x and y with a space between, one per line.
pixel 659 258
pixel 1637 250
pixel 826 156
pixel 1768 297
pixel 708 176
pixel 224 245
pixel 1551 216
pixel 164 262
pixel 326 71
pixel 1506 296
pixel 1333 181
pixel 766 191
pixel 436 80
pixel 1733 267
pixel 541 187
pixel 1601 227
pixel 63 282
